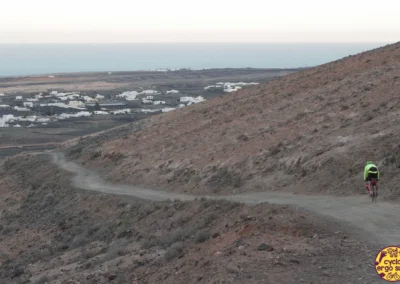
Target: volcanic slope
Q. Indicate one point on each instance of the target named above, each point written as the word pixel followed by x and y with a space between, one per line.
pixel 311 131
pixel 52 232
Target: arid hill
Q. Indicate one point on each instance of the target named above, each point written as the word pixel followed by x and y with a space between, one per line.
pixel 311 131
pixel 51 232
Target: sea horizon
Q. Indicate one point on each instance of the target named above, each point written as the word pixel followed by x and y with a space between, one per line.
pixel 34 59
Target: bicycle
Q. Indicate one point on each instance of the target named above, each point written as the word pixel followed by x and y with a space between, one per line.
pixel 372 188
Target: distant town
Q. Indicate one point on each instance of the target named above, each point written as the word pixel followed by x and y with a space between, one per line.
pixel 42 109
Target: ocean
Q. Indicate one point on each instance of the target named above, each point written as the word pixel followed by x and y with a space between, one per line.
pixel 34 59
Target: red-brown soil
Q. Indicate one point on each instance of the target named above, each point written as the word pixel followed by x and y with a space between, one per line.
pixel 53 233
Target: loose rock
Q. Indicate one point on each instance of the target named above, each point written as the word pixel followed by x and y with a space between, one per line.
pixel 232 269
pixel 266 247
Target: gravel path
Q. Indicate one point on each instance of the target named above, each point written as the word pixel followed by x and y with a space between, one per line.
pixel 379 222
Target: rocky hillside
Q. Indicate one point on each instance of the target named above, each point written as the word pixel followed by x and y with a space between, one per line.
pixel 309 131
pixel 53 233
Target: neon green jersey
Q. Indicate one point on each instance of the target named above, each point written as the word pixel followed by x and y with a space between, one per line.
pixel 371 168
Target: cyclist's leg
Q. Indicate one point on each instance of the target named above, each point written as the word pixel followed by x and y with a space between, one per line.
pixel 369 187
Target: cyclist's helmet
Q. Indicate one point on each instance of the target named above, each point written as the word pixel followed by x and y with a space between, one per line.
pixel 368 163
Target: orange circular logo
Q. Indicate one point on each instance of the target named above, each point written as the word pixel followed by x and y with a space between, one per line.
pixel 387 264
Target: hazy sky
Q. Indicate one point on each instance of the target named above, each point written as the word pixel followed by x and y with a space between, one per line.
pixel 199 21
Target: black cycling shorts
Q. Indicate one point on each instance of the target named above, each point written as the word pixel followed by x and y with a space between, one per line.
pixel 372 176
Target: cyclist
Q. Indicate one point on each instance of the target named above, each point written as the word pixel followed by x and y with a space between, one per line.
pixel 371 173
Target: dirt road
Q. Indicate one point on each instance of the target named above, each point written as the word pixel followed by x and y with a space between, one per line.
pixel 379 222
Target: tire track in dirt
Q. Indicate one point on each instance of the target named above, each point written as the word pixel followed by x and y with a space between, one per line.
pixel 379 223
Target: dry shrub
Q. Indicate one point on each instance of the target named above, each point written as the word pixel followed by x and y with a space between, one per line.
pixel 174 251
